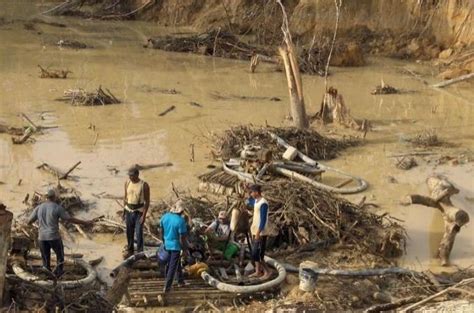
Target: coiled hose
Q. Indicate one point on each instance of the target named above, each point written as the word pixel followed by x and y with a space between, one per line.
pixel 252 288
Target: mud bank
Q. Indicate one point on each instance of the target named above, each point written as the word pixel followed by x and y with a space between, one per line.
pixel 408 29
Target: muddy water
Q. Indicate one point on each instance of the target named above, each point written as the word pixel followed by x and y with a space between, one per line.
pixel 133 132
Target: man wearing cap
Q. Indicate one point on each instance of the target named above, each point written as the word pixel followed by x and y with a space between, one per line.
pixel 259 230
pixel 136 203
pixel 174 231
pixel 220 227
pixel 48 214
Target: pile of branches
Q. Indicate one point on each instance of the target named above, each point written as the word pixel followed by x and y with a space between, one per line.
pixel 426 138
pixel 231 142
pixel 34 298
pixel 305 214
pixel 195 207
pixel 215 43
pixel 81 97
pixel 49 73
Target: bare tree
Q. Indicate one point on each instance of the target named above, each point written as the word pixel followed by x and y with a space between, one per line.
pixel 338 5
pixel 295 85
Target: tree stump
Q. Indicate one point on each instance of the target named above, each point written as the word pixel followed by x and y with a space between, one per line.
pixel 454 218
pixel 5 230
pixel 334 110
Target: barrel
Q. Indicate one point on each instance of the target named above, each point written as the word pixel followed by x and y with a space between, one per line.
pixel 308 279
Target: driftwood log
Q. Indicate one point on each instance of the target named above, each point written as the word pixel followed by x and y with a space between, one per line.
pixel 5 230
pixel 119 287
pixel 441 191
pixel 57 172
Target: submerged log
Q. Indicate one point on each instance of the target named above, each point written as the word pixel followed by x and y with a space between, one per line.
pixel 26 135
pixel 56 171
pixel 454 218
pixel 5 230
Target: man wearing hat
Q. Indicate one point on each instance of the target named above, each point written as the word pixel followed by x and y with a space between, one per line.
pixel 259 230
pixel 136 203
pixel 220 227
pixel 174 231
pixel 48 214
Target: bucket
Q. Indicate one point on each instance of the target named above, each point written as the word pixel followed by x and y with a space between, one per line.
pixel 308 279
pixel 230 251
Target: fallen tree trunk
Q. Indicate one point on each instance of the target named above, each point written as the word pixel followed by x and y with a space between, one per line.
pixel 454 218
pixel 454 80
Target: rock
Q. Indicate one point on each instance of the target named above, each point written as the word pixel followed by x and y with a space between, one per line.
pixel 382 297
pixel 414 47
pixel 445 53
pixel 453 73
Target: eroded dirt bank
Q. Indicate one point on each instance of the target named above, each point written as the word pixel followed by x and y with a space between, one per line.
pixel 418 30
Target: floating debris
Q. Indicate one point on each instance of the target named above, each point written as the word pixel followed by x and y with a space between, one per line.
pixel 406 163
pixel 49 73
pixel 80 97
pixel 72 44
pixel 384 89
pixel 426 138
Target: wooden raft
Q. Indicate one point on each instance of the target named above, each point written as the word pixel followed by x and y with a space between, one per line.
pixel 145 289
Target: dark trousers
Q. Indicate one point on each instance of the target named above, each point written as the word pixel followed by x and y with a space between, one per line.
pixel 173 266
pixel 259 247
pixel 134 229
pixel 58 248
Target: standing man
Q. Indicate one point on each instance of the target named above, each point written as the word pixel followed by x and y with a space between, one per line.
pixel 259 230
pixel 136 203
pixel 48 214
pixel 174 231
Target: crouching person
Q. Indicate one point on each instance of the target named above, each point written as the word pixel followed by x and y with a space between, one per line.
pixel 174 231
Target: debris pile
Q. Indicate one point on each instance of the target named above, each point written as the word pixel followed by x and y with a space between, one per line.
pixel 426 138
pixel 50 73
pixel 80 97
pixel 30 286
pixel 310 142
pixel 304 214
pixel 373 293
pixel 384 89
pixel 215 43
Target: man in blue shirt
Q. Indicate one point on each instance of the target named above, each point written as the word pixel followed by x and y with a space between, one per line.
pixel 174 232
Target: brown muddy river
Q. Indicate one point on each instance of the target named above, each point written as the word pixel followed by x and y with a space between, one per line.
pixel 133 132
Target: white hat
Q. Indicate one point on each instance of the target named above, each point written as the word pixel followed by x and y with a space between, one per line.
pixel 177 207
